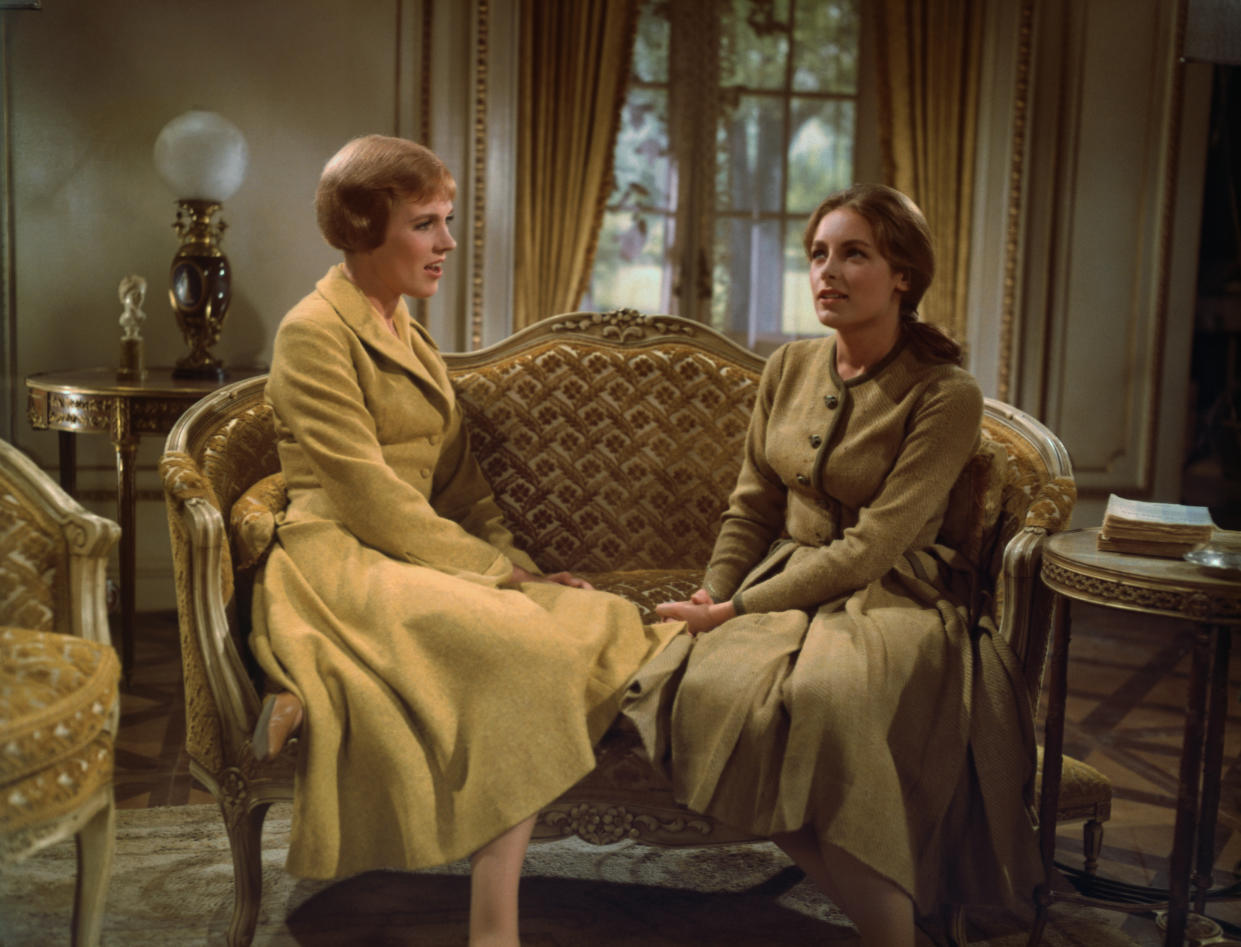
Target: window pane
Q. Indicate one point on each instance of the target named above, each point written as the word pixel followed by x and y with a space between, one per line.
pixel 650 47
pixel 750 160
pixel 629 269
pixel 825 46
pixel 746 302
pixel 820 151
pixel 754 43
pixel 797 317
pixel 641 165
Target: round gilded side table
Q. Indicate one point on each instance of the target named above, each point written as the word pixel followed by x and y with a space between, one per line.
pixel 95 401
pixel 1073 568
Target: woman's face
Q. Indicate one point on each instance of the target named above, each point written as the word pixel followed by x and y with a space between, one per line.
pixel 853 285
pixel 410 261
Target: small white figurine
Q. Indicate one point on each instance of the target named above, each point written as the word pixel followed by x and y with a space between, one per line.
pixel 132 291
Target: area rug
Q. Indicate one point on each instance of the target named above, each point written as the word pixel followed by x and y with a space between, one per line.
pixel 172 883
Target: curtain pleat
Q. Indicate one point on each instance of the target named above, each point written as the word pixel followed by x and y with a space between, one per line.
pixel 575 60
pixel 928 56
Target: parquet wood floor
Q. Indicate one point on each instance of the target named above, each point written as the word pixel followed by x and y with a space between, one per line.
pixel 1125 712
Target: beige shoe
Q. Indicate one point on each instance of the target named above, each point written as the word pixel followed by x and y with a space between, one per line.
pixel 280 718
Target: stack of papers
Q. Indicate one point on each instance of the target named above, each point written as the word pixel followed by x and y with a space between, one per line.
pixel 1154 529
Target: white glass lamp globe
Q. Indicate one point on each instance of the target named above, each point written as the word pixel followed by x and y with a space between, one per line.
pixel 202 156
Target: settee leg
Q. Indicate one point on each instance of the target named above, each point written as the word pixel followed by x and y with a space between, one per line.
pixel 245 833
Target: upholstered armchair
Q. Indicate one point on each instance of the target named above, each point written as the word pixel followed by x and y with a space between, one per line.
pixel 612 442
pixel 59 681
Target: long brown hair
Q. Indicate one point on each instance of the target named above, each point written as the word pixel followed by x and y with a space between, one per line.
pixel 904 240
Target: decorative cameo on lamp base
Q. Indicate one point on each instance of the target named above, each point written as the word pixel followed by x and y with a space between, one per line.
pixel 200 287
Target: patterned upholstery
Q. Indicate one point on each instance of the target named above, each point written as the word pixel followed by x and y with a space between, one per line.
pixel 57 697
pixel 610 459
pixel 612 443
pixel 59 681
pixel 30 561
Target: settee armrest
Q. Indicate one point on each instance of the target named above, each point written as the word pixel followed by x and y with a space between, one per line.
pixel 203 594
pixel 1025 613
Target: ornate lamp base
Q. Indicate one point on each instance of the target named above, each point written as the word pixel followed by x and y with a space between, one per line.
pixel 200 287
pixel 188 366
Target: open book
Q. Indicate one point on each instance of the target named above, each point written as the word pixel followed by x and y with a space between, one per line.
pixel 1153 529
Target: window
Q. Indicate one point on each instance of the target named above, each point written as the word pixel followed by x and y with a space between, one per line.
pixel 740 117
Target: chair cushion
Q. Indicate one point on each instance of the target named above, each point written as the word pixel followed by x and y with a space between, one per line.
pixel 252 520
pixel 57 697
pixel 1085 793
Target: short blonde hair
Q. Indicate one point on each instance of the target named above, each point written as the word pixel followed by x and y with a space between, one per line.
pixel 366 179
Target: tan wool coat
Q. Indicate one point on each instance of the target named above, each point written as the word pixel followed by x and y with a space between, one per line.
pixel 441 707
pixel 854 692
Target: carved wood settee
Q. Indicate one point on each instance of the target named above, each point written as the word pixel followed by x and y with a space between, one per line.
pixel 612 442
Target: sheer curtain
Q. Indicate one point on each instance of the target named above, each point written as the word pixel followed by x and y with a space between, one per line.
pixel 928 56
pixel 575 59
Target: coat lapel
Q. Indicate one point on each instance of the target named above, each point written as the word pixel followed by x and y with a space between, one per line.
pixel 414 351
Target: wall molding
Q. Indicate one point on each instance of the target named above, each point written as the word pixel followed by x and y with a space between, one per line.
pixel 1016 203
pixel 8 298
pixel 478 172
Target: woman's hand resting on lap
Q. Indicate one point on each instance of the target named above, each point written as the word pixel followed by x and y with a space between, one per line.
pixel 520 575
pixel 700 612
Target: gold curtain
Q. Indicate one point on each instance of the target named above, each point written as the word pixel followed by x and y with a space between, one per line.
pixel 575 60
pixel 928 57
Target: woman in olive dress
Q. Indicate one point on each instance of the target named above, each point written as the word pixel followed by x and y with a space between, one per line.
pixel 835 693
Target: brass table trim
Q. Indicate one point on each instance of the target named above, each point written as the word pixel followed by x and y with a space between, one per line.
pixel 95 401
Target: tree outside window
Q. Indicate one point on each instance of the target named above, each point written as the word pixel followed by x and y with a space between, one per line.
pixel 741 115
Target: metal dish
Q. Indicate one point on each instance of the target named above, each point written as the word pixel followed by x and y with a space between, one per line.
pixel 1220 556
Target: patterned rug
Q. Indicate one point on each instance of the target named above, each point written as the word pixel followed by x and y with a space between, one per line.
pixel 172 884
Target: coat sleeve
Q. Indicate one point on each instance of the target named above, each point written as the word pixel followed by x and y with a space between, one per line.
pixel 940 437
pixel 315 392
pixel 755 514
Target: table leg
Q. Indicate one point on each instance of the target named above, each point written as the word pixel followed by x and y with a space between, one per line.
pixel 1187 791
pixel 126 449
pixel 1217 716
pixel 68 460
pixel 1053 759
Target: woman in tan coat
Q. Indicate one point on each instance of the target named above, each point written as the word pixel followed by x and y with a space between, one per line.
pixel 448 689
pixel 845 702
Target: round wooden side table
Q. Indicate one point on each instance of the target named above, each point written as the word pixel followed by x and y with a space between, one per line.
pixel 95 401
pixel 1073 568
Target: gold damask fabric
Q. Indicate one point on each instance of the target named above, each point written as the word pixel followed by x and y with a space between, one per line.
pixel 32 555
pixel 607 460
pixel 57 695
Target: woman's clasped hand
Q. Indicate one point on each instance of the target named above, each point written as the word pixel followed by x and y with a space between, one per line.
pixel 700 612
